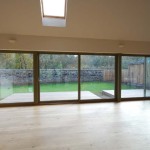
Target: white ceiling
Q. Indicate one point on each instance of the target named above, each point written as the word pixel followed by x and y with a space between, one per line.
pixel 98 19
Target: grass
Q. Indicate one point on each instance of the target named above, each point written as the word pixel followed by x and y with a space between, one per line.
pixel 64 87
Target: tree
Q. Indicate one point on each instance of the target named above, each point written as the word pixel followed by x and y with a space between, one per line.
pixel 52 61
pixel 16 61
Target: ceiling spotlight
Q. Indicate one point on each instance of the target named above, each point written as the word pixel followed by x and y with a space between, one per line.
pixel 12 40
pixel 121 45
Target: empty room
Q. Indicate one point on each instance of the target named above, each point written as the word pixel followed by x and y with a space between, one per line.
pixel 74 74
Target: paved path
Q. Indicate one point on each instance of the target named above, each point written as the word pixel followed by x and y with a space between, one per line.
pixel 54 96
pixel 128 93
pixel 48 96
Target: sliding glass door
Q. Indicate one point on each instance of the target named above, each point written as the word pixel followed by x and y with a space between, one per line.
pixel 97 77
pixel 58 77
pixel 71 77
pixel 133 75
pixel 16 78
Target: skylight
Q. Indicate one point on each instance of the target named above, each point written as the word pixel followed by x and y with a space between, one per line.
pixel 54 8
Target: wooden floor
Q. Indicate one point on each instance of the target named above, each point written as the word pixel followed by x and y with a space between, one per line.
pixel 98 126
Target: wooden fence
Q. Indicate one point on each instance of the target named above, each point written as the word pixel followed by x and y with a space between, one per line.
pixel 134 75
pixel 108 75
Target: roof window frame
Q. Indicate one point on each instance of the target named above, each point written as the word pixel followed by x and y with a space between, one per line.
pixel 53 16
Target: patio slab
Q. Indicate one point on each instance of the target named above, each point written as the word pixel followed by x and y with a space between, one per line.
pixel 127 93
pixel 48 96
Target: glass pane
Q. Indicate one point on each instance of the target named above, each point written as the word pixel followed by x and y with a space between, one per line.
pixel 97 77
pixel 54 8
pixel 147 77
pixel 16 77
pixel 58 77
pixel 132 77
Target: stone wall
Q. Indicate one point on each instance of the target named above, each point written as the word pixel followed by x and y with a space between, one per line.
pixel 65 75
pixel 25 76
pixel 17 76
pixel 6 84
pixel 92 75
pixel 58 75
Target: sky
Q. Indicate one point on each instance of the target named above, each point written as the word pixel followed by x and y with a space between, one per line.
pixel 54 8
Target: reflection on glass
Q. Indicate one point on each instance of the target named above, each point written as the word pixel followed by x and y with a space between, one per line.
pixel 16 77
pixel 132 84
pixel 147 90
pixel 58 77
pixel 97 77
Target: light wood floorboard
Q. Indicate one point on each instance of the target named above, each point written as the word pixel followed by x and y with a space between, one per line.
pixel 98 126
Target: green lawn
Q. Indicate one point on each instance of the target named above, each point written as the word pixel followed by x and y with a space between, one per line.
pixel 62 87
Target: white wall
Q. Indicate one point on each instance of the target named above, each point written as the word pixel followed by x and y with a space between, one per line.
pixel 37 43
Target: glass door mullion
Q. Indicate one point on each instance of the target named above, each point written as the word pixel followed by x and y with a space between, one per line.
pixel 36 79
